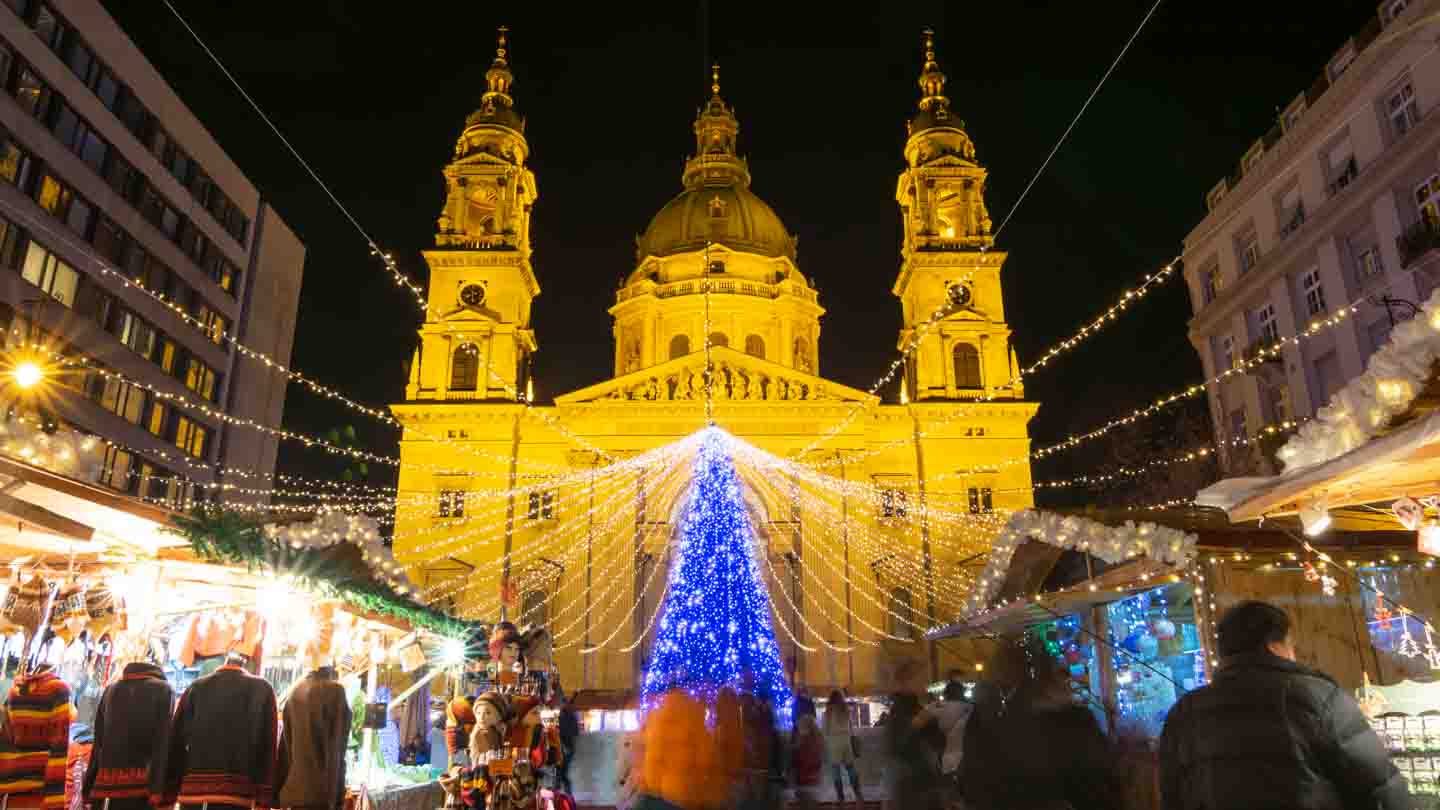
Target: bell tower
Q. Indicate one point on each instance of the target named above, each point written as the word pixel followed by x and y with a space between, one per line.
pixel 476 342
pixel 949 282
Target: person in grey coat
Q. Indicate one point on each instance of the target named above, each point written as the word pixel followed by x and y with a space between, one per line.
pixel 1268 732
pixel 311 757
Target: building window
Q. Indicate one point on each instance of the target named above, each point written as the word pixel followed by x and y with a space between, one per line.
pixel 1427 199
pixel 1227 352
pixel 980 501
pixel 465 368
pixel 1379 334
pixel 115 469
pixel 755 346
pixel 1402 108
pixel 1276 401
pixel 1269 326
pixel 533 608
pixel 1210 284
pixel 201 379
pixel 900 613
pixel 1367 263
pixel 190 436
pixel 212 323
pixel 1327 377
pixel 679 346
pixel 1252 157
pixel 1247 251
pixel 967 366
pixel 451 503
pixel 541 505
pixel 1343 168
pixel 1314 292
pixel 892 503
pixel 1237 425
pixel 1291 212
pixel 1341 62
pixel 159 417
pixel 124 399
pixel 54 277
pixel 718 339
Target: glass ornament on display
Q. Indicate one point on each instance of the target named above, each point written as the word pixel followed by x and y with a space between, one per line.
pixel 715 629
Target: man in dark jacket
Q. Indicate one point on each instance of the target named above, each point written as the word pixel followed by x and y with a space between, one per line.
pixel 1268 732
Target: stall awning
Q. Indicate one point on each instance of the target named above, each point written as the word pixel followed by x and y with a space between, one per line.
pixel 1117 583
pixel 1389 467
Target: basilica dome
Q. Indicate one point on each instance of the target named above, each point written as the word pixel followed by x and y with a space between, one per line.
pixel 730 215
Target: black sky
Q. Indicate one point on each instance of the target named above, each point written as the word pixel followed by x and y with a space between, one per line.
pixel 374 95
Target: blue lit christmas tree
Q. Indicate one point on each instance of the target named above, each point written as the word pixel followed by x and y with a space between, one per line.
pixel 715 628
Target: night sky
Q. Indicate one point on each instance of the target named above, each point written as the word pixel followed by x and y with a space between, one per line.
pixel 374 95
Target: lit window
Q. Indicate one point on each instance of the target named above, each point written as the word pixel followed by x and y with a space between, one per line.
pixel 123 399
pixel 159 414
pixel 1367 263
pixel 54 277
pixel 892 503
pixel 190 436
pixel 115 470
pixel 1248 250
pixel 981 502
pixel 1427 199
pixel 541 505
pixel 136 334
pixel 451 503
pixel 200 378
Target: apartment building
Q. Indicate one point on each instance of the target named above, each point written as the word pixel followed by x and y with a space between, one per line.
pixel 1338 204
pixel 131 239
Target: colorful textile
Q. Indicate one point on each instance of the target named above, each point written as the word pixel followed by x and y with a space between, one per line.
pixel 217 633
pixel 33 755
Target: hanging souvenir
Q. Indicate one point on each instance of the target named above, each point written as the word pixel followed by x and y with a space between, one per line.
pixel 1409 512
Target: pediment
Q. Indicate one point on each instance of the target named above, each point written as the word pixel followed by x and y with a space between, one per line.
pixel 739 377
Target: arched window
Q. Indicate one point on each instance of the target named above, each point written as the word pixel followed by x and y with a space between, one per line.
pixel 465 368
pixel 755 346
pixel 967 366
pixel 679 346
pixel 719 339
pixel 533 609
pixel 901 611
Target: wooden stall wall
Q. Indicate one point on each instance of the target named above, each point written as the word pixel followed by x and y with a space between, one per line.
pixel 1330 631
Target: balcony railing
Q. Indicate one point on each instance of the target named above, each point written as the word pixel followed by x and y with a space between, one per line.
pixel 1264 349
pixel 1417 241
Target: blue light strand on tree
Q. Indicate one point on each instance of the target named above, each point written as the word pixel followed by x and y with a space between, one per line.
pixel 715 628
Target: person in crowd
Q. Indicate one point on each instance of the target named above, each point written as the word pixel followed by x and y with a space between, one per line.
pixel 806 759
pixel 1037 750
pixel 681 764
pixel 952 712
pixel 763 777
pixel 569 728
pixel 914 743
pixel 1270 732
pixel 841 747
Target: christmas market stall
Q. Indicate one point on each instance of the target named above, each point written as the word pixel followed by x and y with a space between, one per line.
pixel 1371 457
pixel 1126 600
pixel 106 599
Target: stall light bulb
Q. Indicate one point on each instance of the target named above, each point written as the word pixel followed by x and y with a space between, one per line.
pixel 1315 518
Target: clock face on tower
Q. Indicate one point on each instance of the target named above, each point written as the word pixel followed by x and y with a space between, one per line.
pixel 472 295
pixel 959 295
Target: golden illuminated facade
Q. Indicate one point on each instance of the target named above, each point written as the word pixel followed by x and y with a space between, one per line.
pixel 715 261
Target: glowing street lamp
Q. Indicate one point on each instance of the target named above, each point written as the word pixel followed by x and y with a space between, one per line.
pixel 28 374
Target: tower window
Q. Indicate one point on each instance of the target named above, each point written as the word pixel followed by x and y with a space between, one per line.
pixel 717 267
pixel 465 368
pixel 541 505
pixel 679 346
pixel 719 339
pixel 967 366
pixel 755 346
pixel 450 503
pixel 981 501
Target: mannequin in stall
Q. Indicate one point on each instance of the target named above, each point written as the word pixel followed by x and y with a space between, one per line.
pixel 316 728
pixel 132 717
pixel 219 749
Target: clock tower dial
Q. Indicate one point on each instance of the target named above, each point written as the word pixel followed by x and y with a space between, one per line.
pixel 472 295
